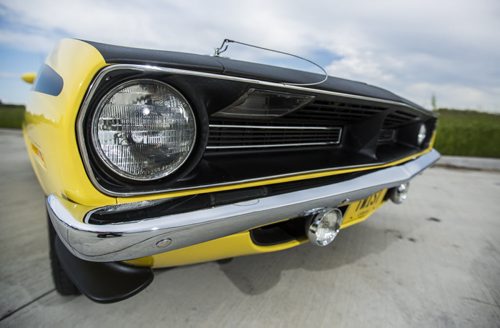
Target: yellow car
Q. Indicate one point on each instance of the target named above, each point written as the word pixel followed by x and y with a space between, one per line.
pixel 152 159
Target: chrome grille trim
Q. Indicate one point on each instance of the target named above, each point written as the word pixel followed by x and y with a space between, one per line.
pixel 273 127
pixel 272 145
pixel 271 136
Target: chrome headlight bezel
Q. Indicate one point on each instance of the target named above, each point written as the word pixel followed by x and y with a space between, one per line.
pixel 99 174
pixel 96 142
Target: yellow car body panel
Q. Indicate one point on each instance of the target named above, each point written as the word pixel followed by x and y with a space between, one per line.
pixel 49 126
pixel 51 141
pixel 227 247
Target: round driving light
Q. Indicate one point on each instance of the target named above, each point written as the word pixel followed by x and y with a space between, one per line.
pixel 143 129
pixel 324 226
pixel 400 193
pixel 422 133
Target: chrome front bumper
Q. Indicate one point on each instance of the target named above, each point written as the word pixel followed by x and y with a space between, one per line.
pixel 130 240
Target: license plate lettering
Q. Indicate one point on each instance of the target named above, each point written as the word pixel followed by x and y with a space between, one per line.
pixel 369 201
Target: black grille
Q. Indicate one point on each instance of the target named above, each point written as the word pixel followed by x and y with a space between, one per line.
pixel 333 113
pixel 398 118
pixel 387 136
pixel 318 123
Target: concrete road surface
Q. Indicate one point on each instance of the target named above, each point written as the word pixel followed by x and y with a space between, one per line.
pixel 431 262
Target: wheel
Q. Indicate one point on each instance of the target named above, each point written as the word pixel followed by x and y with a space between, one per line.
pixel 63 283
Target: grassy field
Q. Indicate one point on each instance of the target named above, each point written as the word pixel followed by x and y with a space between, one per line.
pixel 468 133
pixel 460 133
pixel 11 116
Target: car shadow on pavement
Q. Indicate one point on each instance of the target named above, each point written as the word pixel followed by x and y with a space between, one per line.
pixel 256 274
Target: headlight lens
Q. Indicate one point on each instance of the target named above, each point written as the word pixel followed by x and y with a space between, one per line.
pixel 422 133
pixel 143 129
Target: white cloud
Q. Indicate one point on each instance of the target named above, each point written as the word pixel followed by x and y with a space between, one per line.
pixel 455 96
pixel 414 48
pixel 27 41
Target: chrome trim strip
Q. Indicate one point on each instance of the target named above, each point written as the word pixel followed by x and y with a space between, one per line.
pixel 277 127
pixel 148 68
pixel 259 82
pixel 274 145
pixel 129 240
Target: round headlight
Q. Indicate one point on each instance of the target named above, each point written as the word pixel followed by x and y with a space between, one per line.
pixel 422 133
pixel 143 129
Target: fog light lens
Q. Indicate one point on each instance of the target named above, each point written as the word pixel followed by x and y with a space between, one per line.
pixel 422 133
pixel 400 193
pixel 324 226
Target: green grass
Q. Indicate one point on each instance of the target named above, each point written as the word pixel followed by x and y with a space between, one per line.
pixel 11 116
pixel 460 133
pixel 468 133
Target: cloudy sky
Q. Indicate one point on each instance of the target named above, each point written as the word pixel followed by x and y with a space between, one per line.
pixel 450 48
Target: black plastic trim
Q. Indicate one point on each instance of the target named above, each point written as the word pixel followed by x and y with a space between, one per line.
pixel 103 282
pixel 279 233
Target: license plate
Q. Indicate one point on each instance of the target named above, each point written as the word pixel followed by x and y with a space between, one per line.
pixel 362 209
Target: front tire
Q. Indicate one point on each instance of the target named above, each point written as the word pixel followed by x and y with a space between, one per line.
pixel 62 282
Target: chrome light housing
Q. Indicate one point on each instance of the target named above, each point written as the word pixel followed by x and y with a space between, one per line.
pixel 324 226
pixel 143 129
pixel 400 193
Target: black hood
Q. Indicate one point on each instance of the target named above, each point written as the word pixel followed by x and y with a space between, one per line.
pixel 120 55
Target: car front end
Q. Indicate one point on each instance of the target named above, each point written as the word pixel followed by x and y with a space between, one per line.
pixel 154 159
